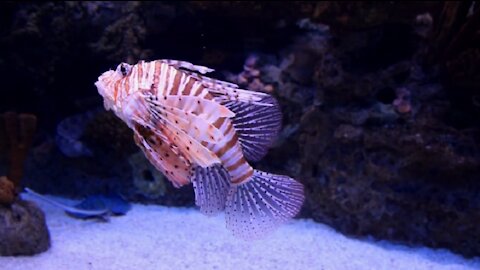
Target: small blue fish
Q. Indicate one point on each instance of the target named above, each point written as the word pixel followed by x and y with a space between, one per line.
pixel 102 212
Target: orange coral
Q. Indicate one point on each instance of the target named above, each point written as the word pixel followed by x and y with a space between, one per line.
pixel 7 191
pixel 18 133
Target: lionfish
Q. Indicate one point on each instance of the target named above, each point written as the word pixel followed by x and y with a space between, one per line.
pixel 200 130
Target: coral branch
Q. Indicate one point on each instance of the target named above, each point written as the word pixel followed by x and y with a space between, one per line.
pixel 3 139
pixel 7 191
pixel 19 130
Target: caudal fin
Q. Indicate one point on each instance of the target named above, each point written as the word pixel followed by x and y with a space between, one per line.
pixel 260 205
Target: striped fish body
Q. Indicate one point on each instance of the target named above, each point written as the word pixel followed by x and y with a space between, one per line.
pixel 199 130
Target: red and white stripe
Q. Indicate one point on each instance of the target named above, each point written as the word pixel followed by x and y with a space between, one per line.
pixel 165 81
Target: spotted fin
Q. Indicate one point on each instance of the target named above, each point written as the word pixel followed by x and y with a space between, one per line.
pixel 208 109
pixel 190 147
pixel 261 204
pixel 257 126
pixel 211 187
pixel 163 157
pixel 195 126
pixel 139 111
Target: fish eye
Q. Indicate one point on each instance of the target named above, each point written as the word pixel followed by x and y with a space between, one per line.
pixel 124 69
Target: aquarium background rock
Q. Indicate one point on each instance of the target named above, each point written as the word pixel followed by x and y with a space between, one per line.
pixel 381 102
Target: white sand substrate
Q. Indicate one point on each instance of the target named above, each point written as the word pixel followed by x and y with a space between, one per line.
pixel 156 237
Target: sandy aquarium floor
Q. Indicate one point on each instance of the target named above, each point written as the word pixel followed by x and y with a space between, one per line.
pixel 155 237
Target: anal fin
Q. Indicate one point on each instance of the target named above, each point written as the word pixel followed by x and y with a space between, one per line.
pixel 211 187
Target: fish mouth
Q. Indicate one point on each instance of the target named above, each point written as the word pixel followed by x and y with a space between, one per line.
pixel 103 91
pixel 102 80
pixel 98 83
pixel 100 87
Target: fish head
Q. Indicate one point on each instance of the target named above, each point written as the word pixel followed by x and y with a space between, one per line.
pixel 107 81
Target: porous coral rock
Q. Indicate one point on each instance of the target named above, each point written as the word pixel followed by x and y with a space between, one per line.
pixel 23 230
pixel 19 130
